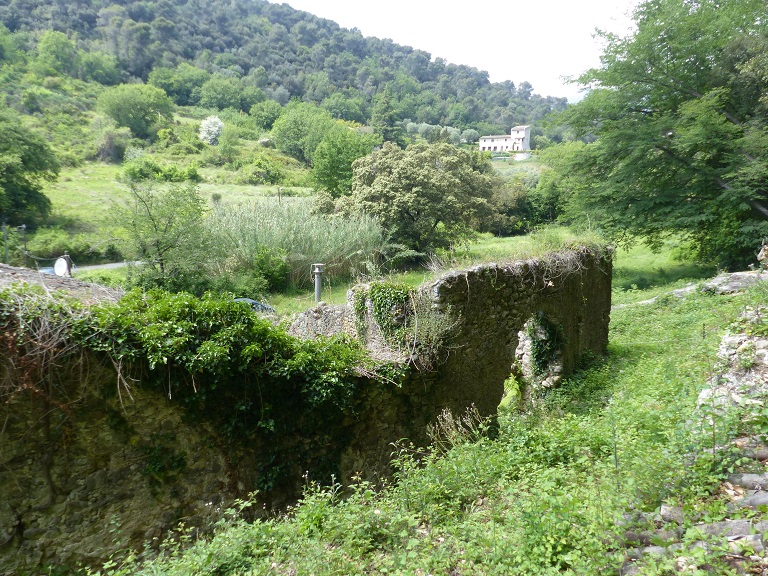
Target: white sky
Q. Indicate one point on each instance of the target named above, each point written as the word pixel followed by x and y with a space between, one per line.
pixel 555 36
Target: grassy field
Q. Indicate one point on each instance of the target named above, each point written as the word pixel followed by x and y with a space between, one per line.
pixel 511 167
pixel 638 268
pixel 83 196
pixel 638 272
pixel 544 496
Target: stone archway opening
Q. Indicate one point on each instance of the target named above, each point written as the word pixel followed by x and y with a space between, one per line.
pixel 538 362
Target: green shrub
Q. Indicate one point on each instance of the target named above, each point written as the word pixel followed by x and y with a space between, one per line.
pixel 184 148
pixel 268 274
pixel 145 167
pixel 112 143
pixel 261 170
pixel 219 341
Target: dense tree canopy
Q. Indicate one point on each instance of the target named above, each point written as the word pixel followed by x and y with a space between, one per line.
pixel 333 157
pixel 300 129
pixel 140 107
pixel 284 52
pixel 428 196
pixel 680 113
pixel 26 161
pixel 182 84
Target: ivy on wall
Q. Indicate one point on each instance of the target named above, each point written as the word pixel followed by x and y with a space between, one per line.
pixel 407 320
pixel 213 356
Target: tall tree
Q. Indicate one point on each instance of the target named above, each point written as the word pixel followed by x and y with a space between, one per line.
pixel 26 162
pixel 681 119
pixel 141 107
pixel 182 83
pixel 384 120
pixel 56 54
pixel 300 129
pixel 161 227
pixel 427 196
pixel 333 158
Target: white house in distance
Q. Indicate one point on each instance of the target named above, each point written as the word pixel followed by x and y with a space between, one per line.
pixel 517 141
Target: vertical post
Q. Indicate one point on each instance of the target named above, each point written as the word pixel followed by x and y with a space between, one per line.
pixel 279 194
pixel 23 229
pixel 317 272
pixel 5 240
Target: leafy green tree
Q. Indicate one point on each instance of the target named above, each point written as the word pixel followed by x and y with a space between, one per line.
pixel 333 158
pixel 300 129
pixel 162 227
pixel 384 119
pixel 8 49
pixel 140 107
pixel 265 113
pixel 182 83
pixel 428 196
pixel 99 67
pixel 26 162
pixel 470 135
pixel 224 92
pixel 56 54
pixel 561 187
pixel 680 115
pixel 345 107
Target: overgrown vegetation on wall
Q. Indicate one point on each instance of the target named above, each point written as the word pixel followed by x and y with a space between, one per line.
pixel 213 356
pixel 407 320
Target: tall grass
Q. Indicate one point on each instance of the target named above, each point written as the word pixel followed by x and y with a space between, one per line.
pixel 489 248
pixel 347 246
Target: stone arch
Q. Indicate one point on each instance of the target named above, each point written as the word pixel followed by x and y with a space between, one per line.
pixel 539 359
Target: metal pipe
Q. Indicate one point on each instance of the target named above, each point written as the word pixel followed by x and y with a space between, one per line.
pixel 317 272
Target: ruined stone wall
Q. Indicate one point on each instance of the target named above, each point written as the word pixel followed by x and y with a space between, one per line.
pixel 570 290
pixel 490 306
pixel 82 480
pixel 99 472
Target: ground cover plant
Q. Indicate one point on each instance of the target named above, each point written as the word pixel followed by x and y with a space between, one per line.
pixel 542 497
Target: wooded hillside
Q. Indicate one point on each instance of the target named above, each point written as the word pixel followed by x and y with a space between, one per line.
pixel 283 52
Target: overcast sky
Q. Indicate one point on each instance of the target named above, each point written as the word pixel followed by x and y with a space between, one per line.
pixel 555 37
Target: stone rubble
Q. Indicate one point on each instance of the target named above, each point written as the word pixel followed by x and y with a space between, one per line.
pixel 740 379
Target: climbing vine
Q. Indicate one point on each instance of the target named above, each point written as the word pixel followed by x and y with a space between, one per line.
pixel 212 355
pixel 407 320
pixel 390 306
pixel 546 342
